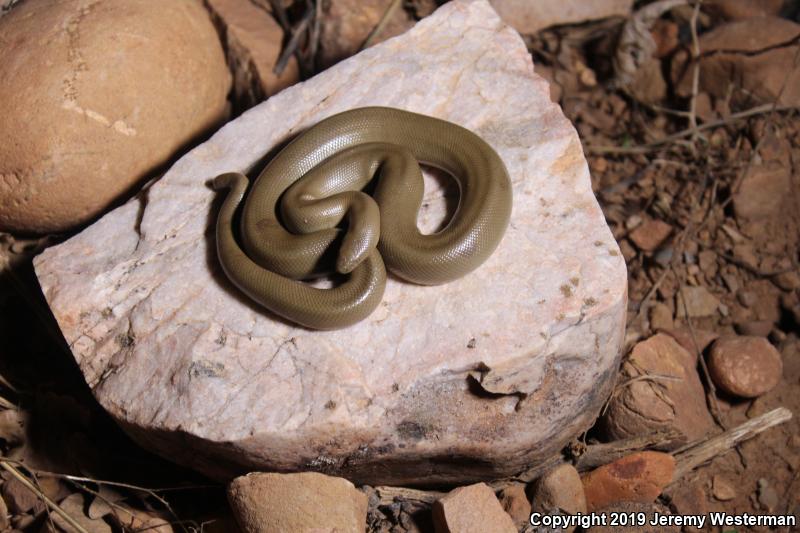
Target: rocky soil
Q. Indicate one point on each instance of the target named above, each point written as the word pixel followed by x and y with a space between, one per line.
pixel 688 117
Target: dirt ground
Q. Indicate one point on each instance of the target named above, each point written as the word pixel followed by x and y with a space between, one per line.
pixel 707 171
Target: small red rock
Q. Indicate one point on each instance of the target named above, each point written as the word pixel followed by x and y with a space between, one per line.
pixel 650 234
pixel 638 477
pixel 471 509
pixel 702 337
pixel 763 191
pixel 745 366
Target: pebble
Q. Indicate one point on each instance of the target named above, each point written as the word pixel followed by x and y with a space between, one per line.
pixel 663 255
pixel 762 191
pixel 650 234
pixel 271 503
pixel 515 503
pixel 745 366
pixel 699 302
pixel 746 298
pixel 660 317
pixel 638 477
pixel 767 496
pixel 471 509
pixel 560 490
pixel 722 489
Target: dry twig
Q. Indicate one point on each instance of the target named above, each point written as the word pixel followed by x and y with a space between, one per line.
pixel 387 16
pixel 41 495
pixel 693 455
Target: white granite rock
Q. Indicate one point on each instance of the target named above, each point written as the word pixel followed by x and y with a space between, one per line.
pixel 470 380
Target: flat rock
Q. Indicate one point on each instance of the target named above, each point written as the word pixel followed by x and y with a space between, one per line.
pixel 638 477
pixel 305 502
pixel 474 379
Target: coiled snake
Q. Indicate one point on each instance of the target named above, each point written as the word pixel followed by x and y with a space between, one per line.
pixel 290 218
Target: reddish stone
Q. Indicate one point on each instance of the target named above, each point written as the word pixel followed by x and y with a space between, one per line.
pixel 650 234
pixel 638 477
pixel 745 366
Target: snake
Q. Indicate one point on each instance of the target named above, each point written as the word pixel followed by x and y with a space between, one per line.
pixel 342 199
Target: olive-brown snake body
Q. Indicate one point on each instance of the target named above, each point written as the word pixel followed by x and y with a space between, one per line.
pixel 290 217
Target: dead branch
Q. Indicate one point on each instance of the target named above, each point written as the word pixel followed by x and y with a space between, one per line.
pixel 693 455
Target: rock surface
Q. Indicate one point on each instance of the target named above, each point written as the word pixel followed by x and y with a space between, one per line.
pixel 672 396
pixel 471 509
pixel 515 502
pixel 253 43
pixel 758 53
pixel 638 477
pixel 305 502
pixel 744 9
pixel 94 97
pixel 504 365
pixel 745 366
pixel 530 16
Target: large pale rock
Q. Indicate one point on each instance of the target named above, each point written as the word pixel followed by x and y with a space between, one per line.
pixel 473 379
pixel 95 96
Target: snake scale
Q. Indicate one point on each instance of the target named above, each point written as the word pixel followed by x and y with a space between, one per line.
pixel 292 219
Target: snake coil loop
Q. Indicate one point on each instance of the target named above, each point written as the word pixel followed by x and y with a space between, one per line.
pixel 290 219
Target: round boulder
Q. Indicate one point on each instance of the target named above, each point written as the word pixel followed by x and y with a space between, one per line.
pixel 96 95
